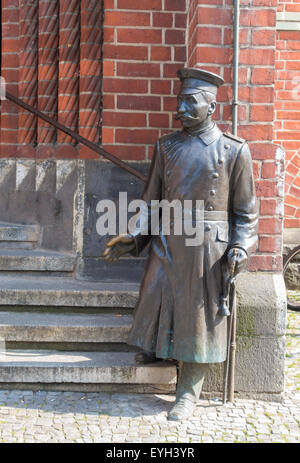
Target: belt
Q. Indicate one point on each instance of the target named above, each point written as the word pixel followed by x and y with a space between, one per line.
pixel 208 216
pixel 215 215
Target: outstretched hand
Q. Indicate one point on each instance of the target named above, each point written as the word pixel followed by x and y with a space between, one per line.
pixel 118 246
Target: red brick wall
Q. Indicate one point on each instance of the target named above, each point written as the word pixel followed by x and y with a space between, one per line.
pixel 51 58
pixel 287 113
pixel 144 45
pixel 210 47
pixel 10 71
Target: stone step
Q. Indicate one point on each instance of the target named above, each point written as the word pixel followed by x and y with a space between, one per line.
pixel 82 369
pixel 18 233
pixel 55 328
pixel 37 260
pixel 44 292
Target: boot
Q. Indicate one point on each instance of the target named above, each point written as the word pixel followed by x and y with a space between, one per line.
pixel 188 391
pixel 146 357
pixel 182 409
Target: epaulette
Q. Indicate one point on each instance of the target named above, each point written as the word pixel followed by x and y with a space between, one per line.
pixel 233 137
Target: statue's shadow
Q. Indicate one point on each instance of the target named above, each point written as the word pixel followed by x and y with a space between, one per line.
pixel 101 405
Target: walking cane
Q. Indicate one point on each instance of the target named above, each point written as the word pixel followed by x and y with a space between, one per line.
pixel 228 383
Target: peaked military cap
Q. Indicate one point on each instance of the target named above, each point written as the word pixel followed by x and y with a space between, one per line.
pixel 193 80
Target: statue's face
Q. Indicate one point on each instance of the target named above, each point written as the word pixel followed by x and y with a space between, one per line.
pixel 194 109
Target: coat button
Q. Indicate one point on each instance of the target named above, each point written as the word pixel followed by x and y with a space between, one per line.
pixel 212 192
pixel 227 147
pixel 221 160
pixel 208 228
pixel 210 208
pixel 215 175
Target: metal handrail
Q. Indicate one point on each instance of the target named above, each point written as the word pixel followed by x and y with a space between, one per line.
pixel 78 138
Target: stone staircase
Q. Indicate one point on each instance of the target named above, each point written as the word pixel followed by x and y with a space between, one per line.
pixel 59 333
pixel 20 252
pixel 18 236
pixel 36 260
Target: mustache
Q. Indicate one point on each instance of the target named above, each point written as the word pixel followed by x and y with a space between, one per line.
pixel 186 117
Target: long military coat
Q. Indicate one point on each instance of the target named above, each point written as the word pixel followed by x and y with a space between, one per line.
pixel 177 314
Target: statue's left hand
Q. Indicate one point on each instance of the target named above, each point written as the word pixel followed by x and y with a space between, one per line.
pixel 241 258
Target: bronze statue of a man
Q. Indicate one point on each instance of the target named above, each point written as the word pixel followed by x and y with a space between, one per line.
pixel 178 314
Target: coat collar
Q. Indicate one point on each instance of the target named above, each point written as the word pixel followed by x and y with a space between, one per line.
pixel 209 135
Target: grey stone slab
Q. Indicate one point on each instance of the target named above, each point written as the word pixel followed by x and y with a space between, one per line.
pixel 92 387
pixel 97 269
pixel 52 327
pixel 261 326
pixel 7 175
pixel 82 367
pixel 259 367
pixel 45 175
pixel 104 180
pixel 25 174
pixel 66 292
pixel 17 244
pixel 47 198
pixel 18 232
pixel 261 304
pixel 36 260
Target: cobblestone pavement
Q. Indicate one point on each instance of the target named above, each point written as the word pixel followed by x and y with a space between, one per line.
pixel 27 416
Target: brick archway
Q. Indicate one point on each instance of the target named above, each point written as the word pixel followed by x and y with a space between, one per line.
pixel 292 190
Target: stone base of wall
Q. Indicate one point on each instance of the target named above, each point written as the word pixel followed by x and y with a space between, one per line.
pixel 40 192
pixel 261 324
